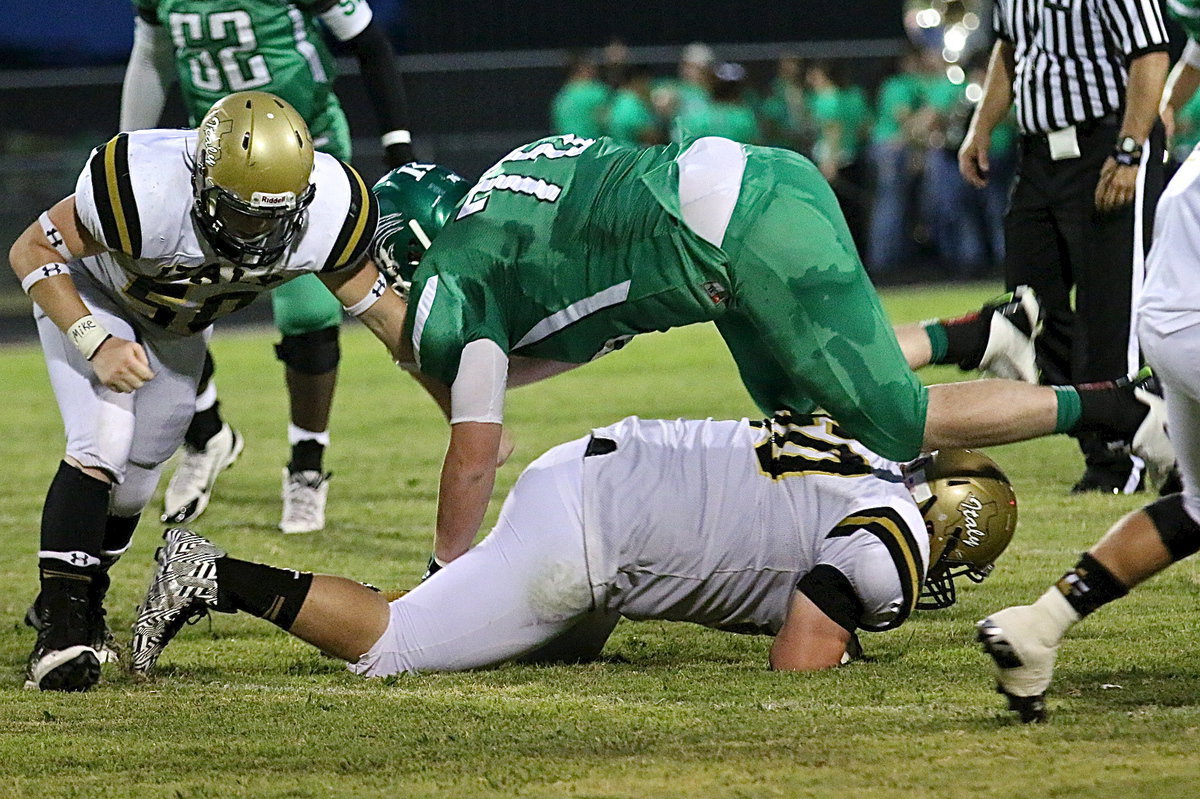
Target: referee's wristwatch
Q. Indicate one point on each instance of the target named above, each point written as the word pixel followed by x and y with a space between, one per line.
pixel 1127 152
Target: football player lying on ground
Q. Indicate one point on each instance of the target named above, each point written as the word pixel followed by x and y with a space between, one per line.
pixel 167 231
pixel 1023 640
pixel 784 526
pixel 568 247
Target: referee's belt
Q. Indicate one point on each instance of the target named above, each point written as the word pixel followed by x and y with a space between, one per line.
pixel 599 446
pixel 1083 128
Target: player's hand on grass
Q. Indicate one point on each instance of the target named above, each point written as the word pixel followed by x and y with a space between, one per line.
pixel 122 365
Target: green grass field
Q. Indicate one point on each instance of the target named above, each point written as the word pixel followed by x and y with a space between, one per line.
pixel 239 709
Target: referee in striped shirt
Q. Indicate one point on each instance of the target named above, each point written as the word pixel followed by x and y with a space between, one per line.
pixel 1086 77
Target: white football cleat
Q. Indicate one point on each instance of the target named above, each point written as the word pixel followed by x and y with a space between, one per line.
pixel 191 486
pixel 1015 325
pixel 184 587
pixel 304 495
pixel 1150 442
pixel 1023 643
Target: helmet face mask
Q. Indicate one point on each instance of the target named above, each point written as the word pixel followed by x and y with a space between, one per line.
pixel 252 177
pixel 970 513
pixel 415 202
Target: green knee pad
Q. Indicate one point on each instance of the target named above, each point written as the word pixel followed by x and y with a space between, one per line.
pixel 304 305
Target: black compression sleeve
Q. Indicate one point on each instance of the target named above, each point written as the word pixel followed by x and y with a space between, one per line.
pixel 830 591
pixel 385 85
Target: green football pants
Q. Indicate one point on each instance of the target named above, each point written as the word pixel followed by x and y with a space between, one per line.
pixel 806 328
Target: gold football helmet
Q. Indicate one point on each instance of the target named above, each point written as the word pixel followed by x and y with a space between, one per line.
pixel 970 512
pixel 252 177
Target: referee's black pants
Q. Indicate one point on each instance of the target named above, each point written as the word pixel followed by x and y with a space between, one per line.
pixel 1057 241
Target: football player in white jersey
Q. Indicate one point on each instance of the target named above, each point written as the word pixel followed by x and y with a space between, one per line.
pixel 167 231
pixel 1023 640
pixel 784 527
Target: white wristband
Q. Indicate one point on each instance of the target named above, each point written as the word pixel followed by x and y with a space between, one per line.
pixel 396 137
pixel 362 306
pixel 41 273
pixel 87 335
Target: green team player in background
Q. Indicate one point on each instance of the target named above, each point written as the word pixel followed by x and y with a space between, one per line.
pixel 214 48
pixel 1180 109
pixel 569 247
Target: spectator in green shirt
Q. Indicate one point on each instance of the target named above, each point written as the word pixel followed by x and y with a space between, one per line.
pixel 582 103
pixel 948 200
pixel 785 116
pixel 728 115
pixel 631 118
pixel 842 116
pixel 892 156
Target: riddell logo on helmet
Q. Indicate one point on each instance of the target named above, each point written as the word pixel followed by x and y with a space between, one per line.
pixel 263 199
pixel 970 508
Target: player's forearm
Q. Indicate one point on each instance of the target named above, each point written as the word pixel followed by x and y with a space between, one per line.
pixel 385 84
pixel 355 24
pixel 55 295
pixel 1182 84
pixel 365 295
pixel 1147 76
pixel 997 90
pixel 468 476
pixel 462 501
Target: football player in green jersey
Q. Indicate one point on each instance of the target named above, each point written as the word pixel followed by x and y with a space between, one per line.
pixel 213 48
pixel 568 247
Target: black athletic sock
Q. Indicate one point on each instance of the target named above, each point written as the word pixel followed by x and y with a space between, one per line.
pixel 306 456
pixel 73 522
pixel 1109 407
pixel 118 533
pixel 966 339
pixel 1090 585
pixel 260 590
pixel 205 424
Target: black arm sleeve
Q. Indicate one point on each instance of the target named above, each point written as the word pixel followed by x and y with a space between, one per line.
pixel 830 591
pixel 385 87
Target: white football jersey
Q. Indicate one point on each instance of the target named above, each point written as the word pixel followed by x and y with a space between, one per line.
pixel 719 522
pixel 135 196
pixel 1170 298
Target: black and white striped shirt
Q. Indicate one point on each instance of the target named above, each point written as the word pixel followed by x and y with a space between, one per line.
pixel 1072 56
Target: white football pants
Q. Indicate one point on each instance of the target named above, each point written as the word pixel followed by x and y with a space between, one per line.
pixel 129 436
pixel 523 591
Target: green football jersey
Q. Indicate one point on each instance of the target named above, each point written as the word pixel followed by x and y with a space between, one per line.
pixel 1187 14
pixel 225 46
pixel 564 250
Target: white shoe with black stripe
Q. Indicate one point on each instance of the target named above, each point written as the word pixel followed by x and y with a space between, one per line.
pixel 184 588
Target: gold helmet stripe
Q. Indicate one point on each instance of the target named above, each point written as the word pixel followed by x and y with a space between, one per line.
pixel 889 527
pixel 359 227
pixel 112 189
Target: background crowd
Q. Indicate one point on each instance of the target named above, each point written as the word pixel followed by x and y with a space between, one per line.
pixel 890 153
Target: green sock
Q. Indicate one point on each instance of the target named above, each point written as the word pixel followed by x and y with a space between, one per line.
pixel 939 343
pixel 1070 409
